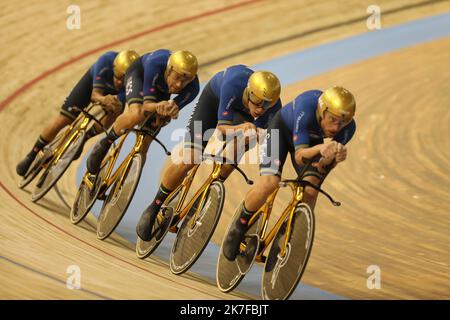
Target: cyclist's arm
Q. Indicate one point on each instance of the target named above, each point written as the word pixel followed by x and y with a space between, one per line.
pixel 225 112
pixel 150 106
pixel 307 153
pixel 224 128
pixel 188 94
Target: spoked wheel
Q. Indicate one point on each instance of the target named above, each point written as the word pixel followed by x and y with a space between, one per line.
pixel 119 198
pixel 38 163
pixel 86 196
pixel 282 273
pixel 230 273
pixel 56 169
pixel 192 238
pixel 160 228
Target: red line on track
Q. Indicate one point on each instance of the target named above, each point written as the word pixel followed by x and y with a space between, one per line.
pixel 61 66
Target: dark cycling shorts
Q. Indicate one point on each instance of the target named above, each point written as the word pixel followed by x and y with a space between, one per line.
pixel 204 118
pixel 80 97
pixel 279 138
pixel 134 81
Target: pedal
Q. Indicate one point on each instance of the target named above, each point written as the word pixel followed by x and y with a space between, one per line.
pixel 245 259
pixel 261 259
pixel 102 196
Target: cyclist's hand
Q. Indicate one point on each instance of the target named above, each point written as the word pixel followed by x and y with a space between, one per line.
pixel 111 103
pixel 329 149
pixel 322 164
pixel 174 109
pixel 341 152
pixel 248 128
pixel 163 108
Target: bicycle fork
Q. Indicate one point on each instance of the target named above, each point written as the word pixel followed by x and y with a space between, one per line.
pixel 266 211
pixel 204 190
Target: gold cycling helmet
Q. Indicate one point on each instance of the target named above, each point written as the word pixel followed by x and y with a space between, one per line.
pixel 183 62
pixel 338 101
pixel 265 87
pixel 123 61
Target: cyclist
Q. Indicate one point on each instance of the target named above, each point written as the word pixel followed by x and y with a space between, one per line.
pixel 150 81
pixel 102 83
pixel 236 99
pixel 302 126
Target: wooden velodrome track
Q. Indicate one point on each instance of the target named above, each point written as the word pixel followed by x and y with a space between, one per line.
pixel 394 186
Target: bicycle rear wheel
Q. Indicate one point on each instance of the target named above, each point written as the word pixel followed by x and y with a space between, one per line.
pixel 282 274
pixel 229 273
pixel 119 198
pixel 37 164
pixel 192 241
pixel 160 227
pixel 86 197
pixel 55 170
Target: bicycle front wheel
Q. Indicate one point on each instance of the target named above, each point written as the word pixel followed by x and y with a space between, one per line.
pixel 192 239
pixel 119 198
pixel 282 273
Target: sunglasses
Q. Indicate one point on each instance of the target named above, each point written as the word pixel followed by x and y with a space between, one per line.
pixel 261 104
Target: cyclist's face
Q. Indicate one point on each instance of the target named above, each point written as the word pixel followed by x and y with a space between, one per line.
pixel 257 106
pixel 118 82
pixel 331 124
pixel 176 82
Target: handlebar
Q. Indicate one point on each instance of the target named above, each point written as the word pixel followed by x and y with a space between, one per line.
pixel 151 134
pixel 308 162
pixel 304 183
pixel 90 116
pixel 217 158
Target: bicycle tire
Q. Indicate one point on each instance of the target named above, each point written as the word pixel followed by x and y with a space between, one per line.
pixel 281 275
pixel 191 242
pixel 115 206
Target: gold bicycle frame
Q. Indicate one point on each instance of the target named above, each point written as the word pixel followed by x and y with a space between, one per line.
pixel 120 172
pixel 185 185
pixel 266 210
pixel 62 147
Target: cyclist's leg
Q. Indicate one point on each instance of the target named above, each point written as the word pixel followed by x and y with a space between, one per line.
pixel 273 153
pixel 79 96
